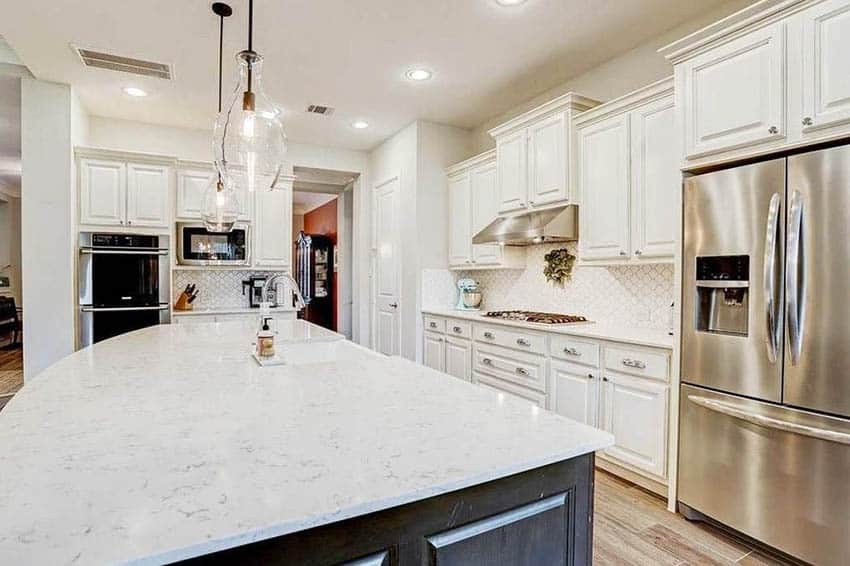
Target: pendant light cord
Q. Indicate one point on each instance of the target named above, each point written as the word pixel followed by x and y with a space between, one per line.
pixel 220 185
pixel 250 38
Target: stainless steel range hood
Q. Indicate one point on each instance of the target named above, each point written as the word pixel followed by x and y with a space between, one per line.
pixel 559 224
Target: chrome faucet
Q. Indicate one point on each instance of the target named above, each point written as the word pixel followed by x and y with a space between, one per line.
pixel 290 282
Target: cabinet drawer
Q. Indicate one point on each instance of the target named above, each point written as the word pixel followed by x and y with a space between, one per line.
pixel 500 386
pixel 511 338
pixel 645 363
pixel 575 351
pixel 435 324
pixel 523 369
pixel 459 328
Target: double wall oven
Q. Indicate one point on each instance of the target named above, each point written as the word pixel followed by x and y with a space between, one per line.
pixel 124 284
pixel 764 443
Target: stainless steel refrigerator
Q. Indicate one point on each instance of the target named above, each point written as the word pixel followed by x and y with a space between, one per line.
pixel 764 442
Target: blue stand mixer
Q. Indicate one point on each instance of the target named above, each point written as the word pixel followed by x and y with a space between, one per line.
pixel 469 295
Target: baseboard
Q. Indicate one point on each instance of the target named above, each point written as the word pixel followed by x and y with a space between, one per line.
pixel 654 486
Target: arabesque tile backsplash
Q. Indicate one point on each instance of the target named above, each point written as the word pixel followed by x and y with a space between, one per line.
pixel 638 296
pixel 217 288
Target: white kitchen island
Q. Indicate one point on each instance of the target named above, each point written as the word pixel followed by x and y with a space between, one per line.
pixel 171 443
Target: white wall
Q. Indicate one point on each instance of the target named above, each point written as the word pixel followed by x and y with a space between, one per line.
pixel 10 243
pixel 618 76
pixel 195 145
pixel 52 122
pixel 418 154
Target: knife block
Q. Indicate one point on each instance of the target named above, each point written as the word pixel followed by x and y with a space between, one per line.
pixel 183 303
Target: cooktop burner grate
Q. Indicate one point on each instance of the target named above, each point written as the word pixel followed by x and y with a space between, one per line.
pixel 538 317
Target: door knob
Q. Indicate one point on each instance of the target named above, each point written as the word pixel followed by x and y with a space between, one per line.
pixel 393 305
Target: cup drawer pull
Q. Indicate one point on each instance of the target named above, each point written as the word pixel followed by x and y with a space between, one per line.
pixel 572 352
pixel 457 329
pixel 634 363
pixel 523 342
pixel 433 324
pixel 487 361
pixel 489 335
pixel 522 371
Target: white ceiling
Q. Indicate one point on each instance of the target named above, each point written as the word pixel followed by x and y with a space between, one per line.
pixel 347 54
pixel 304 202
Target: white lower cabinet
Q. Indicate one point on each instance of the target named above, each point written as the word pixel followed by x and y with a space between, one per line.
pixel 433 353
pixel 458 358
pixel 207 317
pixel 575 392
pixel 494 384
pixel 634 410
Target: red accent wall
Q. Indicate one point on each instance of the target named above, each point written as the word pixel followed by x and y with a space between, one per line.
pixel 322 221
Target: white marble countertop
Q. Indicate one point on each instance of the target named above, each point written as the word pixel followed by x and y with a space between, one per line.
pixel 641 336
pixel 171 442
pixel 229 310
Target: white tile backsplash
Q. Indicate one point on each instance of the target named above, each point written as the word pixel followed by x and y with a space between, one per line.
pixel 217 288
pixel 637 296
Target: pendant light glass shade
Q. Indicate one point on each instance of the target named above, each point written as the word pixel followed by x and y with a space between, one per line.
pixel 220 209
pixel 249 143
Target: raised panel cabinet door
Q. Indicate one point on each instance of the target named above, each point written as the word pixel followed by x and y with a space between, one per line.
pixel 735 93
pixel 459 358
pixel 147 195
pixel 575 392
pixel 656 180
pixel 433 352
pixel 604 183
pixel 512 171
pixel 485 209
pixel 103 192
pixel 547 160
pixel 273 228
pixel 634 410
pixel 460 220
pixel 191 187
pixel 826 65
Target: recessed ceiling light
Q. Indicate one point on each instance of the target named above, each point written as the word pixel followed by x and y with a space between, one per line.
pixel 510 2
pixel 134 91
pixel 360 125
pixel 418 74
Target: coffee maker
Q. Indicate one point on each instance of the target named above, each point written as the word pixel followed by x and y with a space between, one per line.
pixel 254 285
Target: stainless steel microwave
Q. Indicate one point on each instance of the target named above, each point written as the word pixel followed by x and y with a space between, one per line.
pixel 198 246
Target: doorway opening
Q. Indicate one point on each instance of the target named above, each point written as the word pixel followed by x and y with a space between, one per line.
pixel 322 230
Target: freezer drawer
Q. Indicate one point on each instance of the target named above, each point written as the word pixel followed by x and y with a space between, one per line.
pixel 776 474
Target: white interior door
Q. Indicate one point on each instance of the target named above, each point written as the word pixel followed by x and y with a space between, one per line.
pixel 387 268
pixel 826 65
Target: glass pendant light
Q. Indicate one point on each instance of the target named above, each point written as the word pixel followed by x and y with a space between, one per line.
pixel 220 208
pixel 249 143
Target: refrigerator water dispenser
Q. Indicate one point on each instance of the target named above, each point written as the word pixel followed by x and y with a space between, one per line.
pixel 722 289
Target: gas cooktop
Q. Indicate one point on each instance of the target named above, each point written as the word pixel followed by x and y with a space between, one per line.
pixel 537 317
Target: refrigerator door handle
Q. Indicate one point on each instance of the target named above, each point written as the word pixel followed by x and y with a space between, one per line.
pixel 769 422
pixel 795 278
pixel 770 265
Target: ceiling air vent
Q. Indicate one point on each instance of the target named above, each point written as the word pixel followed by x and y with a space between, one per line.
pixel 317 109
pixel 112 62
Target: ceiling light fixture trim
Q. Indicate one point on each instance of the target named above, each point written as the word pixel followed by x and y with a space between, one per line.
pixel 419 74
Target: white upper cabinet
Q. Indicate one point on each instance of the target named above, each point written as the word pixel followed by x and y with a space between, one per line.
pixel 123 189
pixel 103 192
pixel 511 155
pixel 460 220
pixel 147 195
pixel 482 182
pixel 825 30
pixel 656 179
pixel 533 155
pixel 547 160
pixel 604 179
pixel 736 93
pixel 472 205
pixel 629 178
pixel 191 184
pixel 772 77
pixel 273 227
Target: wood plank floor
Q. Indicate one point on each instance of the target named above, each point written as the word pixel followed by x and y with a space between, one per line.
pixel 11 373
pixel 633 527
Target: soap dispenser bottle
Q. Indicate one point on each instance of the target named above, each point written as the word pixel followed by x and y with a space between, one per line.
pixel 265 340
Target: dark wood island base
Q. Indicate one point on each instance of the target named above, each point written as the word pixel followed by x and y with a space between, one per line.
pixel 540 517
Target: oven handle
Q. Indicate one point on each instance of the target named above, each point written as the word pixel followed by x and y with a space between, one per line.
pixel 770 422
pixel 89 308
pixel 128 251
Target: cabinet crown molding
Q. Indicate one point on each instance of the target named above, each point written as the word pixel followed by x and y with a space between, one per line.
pixel 568 101
pixel 473 161
pixel 655 91
pixel 123 155
pixel 760 14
